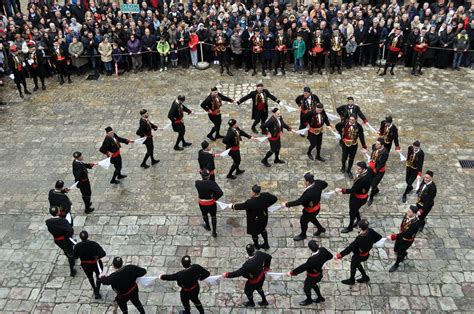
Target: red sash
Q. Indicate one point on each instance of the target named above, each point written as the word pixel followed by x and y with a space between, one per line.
pixel 275 138
pixel 178 121
pixel 234 148
pixel 313 209
pixel 257 279
pixel 313 275
pixel 60 238
pixel 207 202
pixel 394 49
pixel 190 289
pixel 361 196
pixel 116 154
pixel 92 261
pixel 364 254
pixel 126 294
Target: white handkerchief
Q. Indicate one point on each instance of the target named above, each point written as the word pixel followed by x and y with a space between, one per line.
pixel 225 153
pixel 337 135
pixel 11 76
pixel 368 157
pixel 275 276
pixel 74 186
pixel 140 140
pixel 327 195
pixel 68 218
pixel 302 131
pixel 402 158
pixel 146 282
pixel 73 241
pixel 99 268
pixel 290 109
pixel 167 126
pixel 30 62
pixel 223 205
pixel 371 128
pixel 261 139
pixel 104 163
pixel 331 116
pixel 418 182
pixel 213 280
pixel 380 242
pixel 274 208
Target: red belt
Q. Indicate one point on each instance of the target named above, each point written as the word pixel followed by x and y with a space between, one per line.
pixel 126 294
pixel 361 196
pixel 394 49
pixel 275 138
pixel 190 289
pixel 211 172
pixel 420 49
pixel 257 279
pixel 92 261
pixel 178 121
pixel 235 148
pixel 313 275
pixel 84 180
pixel 34 65
pixel 215 112
pixel 313 209
pixel 60 58
pixel 19 68
pixel 372 166
pixel 303 111
pixel 260 106
pixel 207 202
pixel 60 238
pixel 116 154
pixel 409 239
pixel 364 254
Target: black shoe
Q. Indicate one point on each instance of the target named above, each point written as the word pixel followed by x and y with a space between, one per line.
pixel 320 72
pixel 212 138
pixel 319 300
pixel 299 237
pixel 69 81
pixel 264 73
pixel 43 88
pixel 265 246
pixel 254 73
pixel 383 73
pixel 279 161
pixel 61 83
pixel 275 72
pixel 391 72
pixel 320 159
pixel 318 233
pixel 343 169
pixel 114 182
pixel 263 303
pixel 249 304
pixel 346 230
pixel 363 279
pixel 144 166
pixel 121 176
pixel 348 281
pixel 178 148
pixel 27 92
pixel 393 268
pixel 339 71
pixel 230 73
pixel 331 71
pixel 154 162
pixel 254 130
pixel 231 176
pixel 422 227
pixel 214 235
pixel 98 296
pixel 73 273
pixel 266 163
pixel 283 72
pixel 256 246
pixel 239 171
pixel 90 210
pixel 306 302
pixel 356 223
pixel 310 156
pixel 186 144
pixel 207 227
pixel 301 135
pixel 370 201
pixel 35 89
pixel 404 198
pixel 350 175
pixel 218 136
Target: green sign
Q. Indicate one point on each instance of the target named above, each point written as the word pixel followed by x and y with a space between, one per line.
pixel 130 8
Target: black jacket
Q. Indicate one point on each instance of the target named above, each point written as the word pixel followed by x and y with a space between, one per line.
pixel 58 226
pixel 378 159
pixel 361 184
pixel 345 111
pixel 144 129
pixel 253 95
pixel 390 135
pixel 426 196
pixel 257 211
pixel 253 266
pixel 189 277
pixel 208 104
pixel 306 105
pixel 272 126
pixel 88 250
pixel 315 263
pixel 123 279
pixel 79 170
pixel 208 189
pixel 415 161
pixel 233 137
pixel 59 199
pixel 206 160
pixel 311 195
pixel 176 111
pixel 112 146
pixel 363 243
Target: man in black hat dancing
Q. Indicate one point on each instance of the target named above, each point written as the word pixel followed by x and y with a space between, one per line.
pixel 212 105
pixel 111 148
pixel 232 141
pixel 414 167
pixel 310 199
pixel 426 195
pixel 257 214
pixel 79 170
pixel 389 132
pixel 306 102
pixel 145 130
pixel 274 126
pixel 314 272
pixel 316 120
pixel 176 115
pixel 206 160
pixel 208 192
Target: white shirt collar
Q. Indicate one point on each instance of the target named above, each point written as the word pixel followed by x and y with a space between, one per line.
pixel 315 253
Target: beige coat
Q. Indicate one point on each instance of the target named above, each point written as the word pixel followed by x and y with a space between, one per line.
pixel 105 50
pixel 77 49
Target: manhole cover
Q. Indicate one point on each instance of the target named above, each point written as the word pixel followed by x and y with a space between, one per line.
pixel 466 164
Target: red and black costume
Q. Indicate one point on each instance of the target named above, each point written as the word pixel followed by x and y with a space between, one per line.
pixel 206 161
pixel 145 128
pixel 281 48
pixel 350 136
pixel 425 200
pixel 90 253
pixel 378 160
pixel 58 198
pixel 111 148
pixel 79 170
pixel 274 128
pixel 345 111
pixel 212 105
pixel 389 133
pixel 405 238
pixel 36 67
pixel 176 115
pixel 257 52
pixel 316 122
pixel 61 63
pixel 208 193
pixel 232 141
pixel 395 45
pixel 18 68
pixel 259 105
pixel 61 231
pixel 317 53
pixel 221 43
pixel 414 167
pixel 419 52
pixel 306 104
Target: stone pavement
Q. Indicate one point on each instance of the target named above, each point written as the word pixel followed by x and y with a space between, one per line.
pixel 152 218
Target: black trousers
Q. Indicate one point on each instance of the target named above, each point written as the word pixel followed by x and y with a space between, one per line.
pixel 418 61
pixel 132 297
pixel 192 296
pixel 86 192
pixel 260 117
pixel 236 160
pixel 356 264
pixel 247 54
pixel 375 184
pixel 210 210
pixel 335 59
pixel 280 61
pixel 306 218
pixel 400 248
pixel 348 152
pixel 354 206
pixel 257 57
pixel 250 288
pixel 35 73
pixel 181 130
pixel 302 124
pixel 371 53
pixel 117 162
pixel 317 61
pixel 223 58
pixel 63 71
pixel 392 59
pixel 315 140
pixel 217 121
pixel 410 177
pixel 311 283
pixel 68 248
pixel 90 270
pixel 149 150
pixel 184 57
pixel 20 79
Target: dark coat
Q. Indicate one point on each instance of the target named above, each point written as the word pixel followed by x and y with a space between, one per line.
pixel 257 211
pixel 253 95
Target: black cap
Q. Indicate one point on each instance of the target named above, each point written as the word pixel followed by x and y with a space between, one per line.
pixel 256 189
pixel 388 119
pixel 59 184
pixel 430 173
pixel 232 122
pixel 274 110
pixel 54 210
pixel 214 89
pixel 84 235
pixel 306 89
pixel 77 154
pixel 320 106
pixel 181 98
pixel 186 261
pixel 363 224
pixel 143 111
pixel 205 173
pixel 117 262
pixel 350 98
pixel 313 245
pixel 309 177
pixel 260 85
pixel 362 164
pixel 414 209
pixel 204 144
pixel 108 129
pixel 416 143
pixel 381 140
pixel 250 249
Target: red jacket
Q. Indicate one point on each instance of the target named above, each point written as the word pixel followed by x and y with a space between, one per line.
pixel 193 41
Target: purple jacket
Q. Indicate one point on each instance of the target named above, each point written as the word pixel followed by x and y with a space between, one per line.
pixel 134 46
